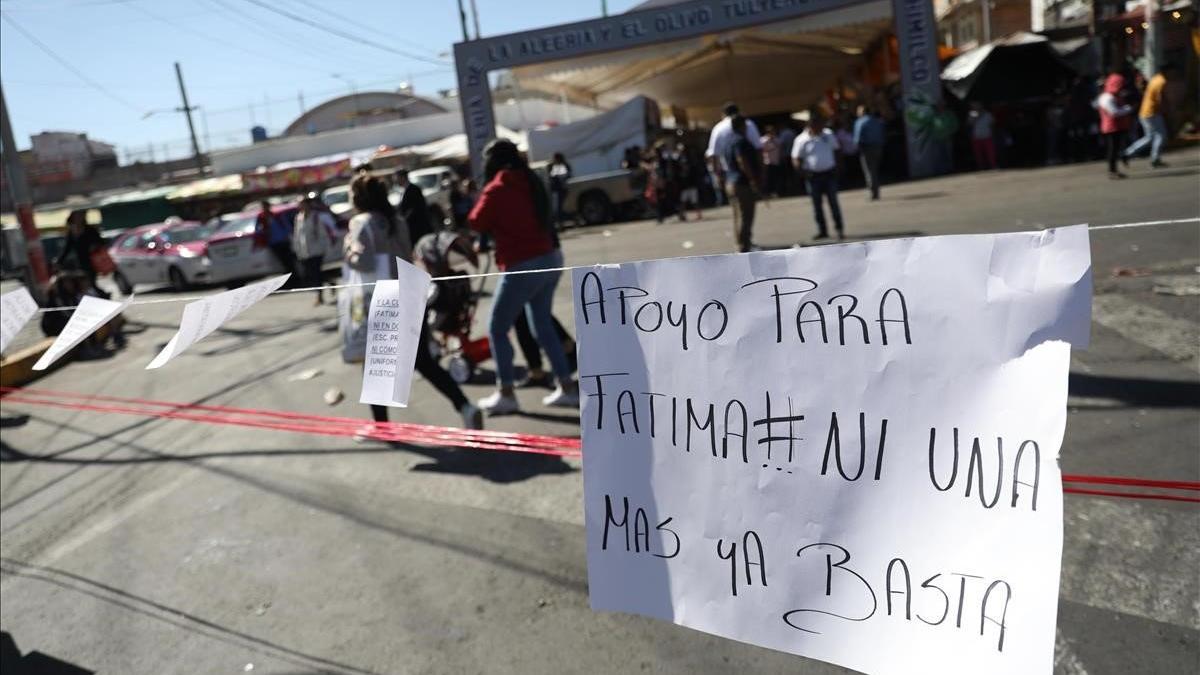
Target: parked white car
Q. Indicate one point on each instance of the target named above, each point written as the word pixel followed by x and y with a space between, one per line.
pixel 432 181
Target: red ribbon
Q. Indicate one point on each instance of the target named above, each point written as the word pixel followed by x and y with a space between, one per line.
pixel 326 425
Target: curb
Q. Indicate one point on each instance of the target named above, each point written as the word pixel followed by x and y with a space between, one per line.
pixel 16 369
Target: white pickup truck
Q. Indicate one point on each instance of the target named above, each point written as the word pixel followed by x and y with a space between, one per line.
pixel 600 197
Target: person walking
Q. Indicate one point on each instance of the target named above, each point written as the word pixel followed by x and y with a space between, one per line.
pixel 663 186
pixel 413 208
pixel 869 136
pixel 722 136
pixel 815 158
pixel 771 161
pixel 514 210
pixel 743 182
pixel 375 238
pixel 1115 120
pixel 312 239
pixel 787 138
pixel 560 173
pixel 691 175
pixel 1150 116
pixel 277 234
pixel 983 143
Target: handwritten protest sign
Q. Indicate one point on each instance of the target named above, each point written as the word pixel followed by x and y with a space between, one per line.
pixel 88 317
pixel 847 452
pixel 393 334
pixel 203 316
pixel 16 308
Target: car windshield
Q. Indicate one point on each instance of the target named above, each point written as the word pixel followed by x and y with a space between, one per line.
pixel 336 197
pixel 189 234
pixel 242 225
pixel 426 181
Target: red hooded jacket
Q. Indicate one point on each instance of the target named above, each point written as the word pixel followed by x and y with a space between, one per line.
pixel 505 210
pixel 1114 114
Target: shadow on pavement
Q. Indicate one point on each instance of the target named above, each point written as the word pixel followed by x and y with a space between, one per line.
pixel 1165 174
pixel 33 663
pixel 922 195
pixel 497 466
pixel 154 610
pixel 1136 391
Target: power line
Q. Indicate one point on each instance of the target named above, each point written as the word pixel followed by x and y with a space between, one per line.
pixel 218 40
pixel 361 26
pixel 65 64
pixel 227 11
pixel 358 39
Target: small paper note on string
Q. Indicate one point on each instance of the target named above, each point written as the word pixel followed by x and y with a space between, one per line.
pixel 202 317
pixel 88 317
pixel 393 336
pixel 16 308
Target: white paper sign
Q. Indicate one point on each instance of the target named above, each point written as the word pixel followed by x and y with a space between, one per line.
pixel 88 317
pixel 203 316
pixel 393 334
pixel 846 452
pixel 16 308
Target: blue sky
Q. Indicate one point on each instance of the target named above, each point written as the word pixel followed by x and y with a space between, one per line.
pixel 241 62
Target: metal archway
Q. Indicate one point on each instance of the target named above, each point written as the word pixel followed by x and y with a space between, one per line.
pixel 914 26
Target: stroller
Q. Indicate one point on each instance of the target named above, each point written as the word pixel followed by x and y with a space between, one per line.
pixel 452 302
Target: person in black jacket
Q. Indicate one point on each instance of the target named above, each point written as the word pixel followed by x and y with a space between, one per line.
pixel 413 207
pixel 81 240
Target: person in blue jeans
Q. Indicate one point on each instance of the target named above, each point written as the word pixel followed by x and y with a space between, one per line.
pixel 514 210
pixel 815 155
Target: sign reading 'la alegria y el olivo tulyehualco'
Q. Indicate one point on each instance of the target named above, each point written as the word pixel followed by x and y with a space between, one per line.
pixel 847 452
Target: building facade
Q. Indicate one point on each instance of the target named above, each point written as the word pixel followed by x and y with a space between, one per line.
pixel 966 24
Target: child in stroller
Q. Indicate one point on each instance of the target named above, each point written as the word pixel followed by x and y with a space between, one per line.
pixel 452 302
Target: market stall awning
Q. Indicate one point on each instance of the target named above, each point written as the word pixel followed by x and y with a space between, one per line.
pixel 217 186
pixel 1016 67
pixel 454 146
pixel 772 68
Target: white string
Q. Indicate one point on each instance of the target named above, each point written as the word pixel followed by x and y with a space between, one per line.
pixel 481 275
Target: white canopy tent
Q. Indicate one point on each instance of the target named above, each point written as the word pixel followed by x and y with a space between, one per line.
pixel 770 68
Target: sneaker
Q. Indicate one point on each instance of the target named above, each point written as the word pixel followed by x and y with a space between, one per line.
pixel 542 380
pixel 499 404
pixel 1159 164
pixel 820 236
pixel 1114 175
pixel 1125 161
pixel 472 417
pixel 561 399
pixel 841 236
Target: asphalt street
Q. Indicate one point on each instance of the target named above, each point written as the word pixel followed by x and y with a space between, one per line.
pixel 145 545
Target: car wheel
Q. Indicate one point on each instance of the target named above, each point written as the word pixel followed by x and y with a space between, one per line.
pixel 594 208
pixel 179 283
pixel 122 283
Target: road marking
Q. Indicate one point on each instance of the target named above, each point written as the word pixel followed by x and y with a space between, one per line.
pixel 1141 323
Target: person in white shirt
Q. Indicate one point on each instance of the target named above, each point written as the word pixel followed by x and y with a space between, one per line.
pixel 312 237
pixel 815 156
pixel 722 136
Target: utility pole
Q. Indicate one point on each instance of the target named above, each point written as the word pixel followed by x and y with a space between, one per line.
pixel 1152 38
pixel 603 7
pixel 986 6
pixel 300 98
pixel 462 18
pixel 187 111
pixel 37 273
pixel 475 18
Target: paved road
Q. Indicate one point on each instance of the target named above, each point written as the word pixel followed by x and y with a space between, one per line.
pixel 131 545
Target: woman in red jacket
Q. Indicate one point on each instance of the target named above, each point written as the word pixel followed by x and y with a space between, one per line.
pixel 514 210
